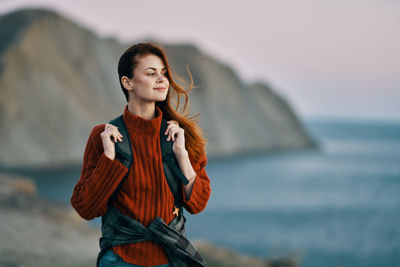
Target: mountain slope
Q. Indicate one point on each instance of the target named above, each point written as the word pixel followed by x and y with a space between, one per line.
pixel 58 79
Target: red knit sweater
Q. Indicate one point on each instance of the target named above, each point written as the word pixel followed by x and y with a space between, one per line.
pixel 144 194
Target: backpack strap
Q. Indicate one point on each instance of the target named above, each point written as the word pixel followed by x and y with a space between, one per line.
pixel 123 150
pixel 168 154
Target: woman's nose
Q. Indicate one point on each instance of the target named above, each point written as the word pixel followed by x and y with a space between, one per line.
pixel 161 77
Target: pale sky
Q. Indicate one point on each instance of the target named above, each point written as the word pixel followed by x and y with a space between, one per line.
pixel 337 59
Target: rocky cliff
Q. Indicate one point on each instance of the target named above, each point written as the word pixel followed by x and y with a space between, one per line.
pixel 58 79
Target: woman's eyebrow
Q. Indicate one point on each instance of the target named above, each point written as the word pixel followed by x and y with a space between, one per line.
pixel 154 68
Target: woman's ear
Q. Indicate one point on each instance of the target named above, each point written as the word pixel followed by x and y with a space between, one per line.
pixel 127 83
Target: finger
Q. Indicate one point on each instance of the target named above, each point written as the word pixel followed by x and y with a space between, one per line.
pixel 173 122
pixel 168 128
pixel 169 135
pixel 119 136
pixel 114 137
pixel 172 133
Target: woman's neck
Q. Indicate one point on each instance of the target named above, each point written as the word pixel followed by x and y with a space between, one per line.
pixel 146 111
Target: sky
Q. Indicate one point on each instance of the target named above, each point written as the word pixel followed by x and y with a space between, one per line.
pixel 328 59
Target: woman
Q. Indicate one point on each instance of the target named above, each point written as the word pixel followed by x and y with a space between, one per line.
pixel 144 194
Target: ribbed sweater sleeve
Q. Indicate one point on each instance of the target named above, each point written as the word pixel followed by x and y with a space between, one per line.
pixel 201 189
pixel 99 178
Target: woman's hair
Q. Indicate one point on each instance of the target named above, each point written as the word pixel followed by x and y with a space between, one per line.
pixel 194 135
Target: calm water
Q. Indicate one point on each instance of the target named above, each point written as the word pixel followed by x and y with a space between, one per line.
pixel 339 206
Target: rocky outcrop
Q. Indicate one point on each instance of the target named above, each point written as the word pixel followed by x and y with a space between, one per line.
pixel 217 256
pixel 36 232
pixel 58 79
pixel 56 82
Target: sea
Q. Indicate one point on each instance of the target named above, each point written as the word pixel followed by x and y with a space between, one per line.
pixel 338 205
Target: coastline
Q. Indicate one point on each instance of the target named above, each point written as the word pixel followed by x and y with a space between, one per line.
pixel 40 232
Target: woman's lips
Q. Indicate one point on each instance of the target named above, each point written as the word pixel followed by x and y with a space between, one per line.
pixel 160 88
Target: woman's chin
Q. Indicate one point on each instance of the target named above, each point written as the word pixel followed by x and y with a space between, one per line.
pixel 160 98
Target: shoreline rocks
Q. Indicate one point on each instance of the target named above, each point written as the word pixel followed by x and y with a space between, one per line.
pixel 42 233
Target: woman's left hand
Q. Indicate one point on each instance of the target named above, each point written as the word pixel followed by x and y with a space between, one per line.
pixel 177 134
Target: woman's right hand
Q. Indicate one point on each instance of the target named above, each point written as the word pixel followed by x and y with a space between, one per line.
pixel 108 143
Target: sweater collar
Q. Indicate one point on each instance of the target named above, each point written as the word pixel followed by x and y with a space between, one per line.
pixel 138 124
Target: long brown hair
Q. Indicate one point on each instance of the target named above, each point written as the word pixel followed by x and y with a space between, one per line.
pixel 194 136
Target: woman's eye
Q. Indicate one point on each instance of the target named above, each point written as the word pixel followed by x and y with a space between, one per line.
pixel 152 74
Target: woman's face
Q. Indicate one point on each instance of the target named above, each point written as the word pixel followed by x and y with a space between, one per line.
pixel 150 74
